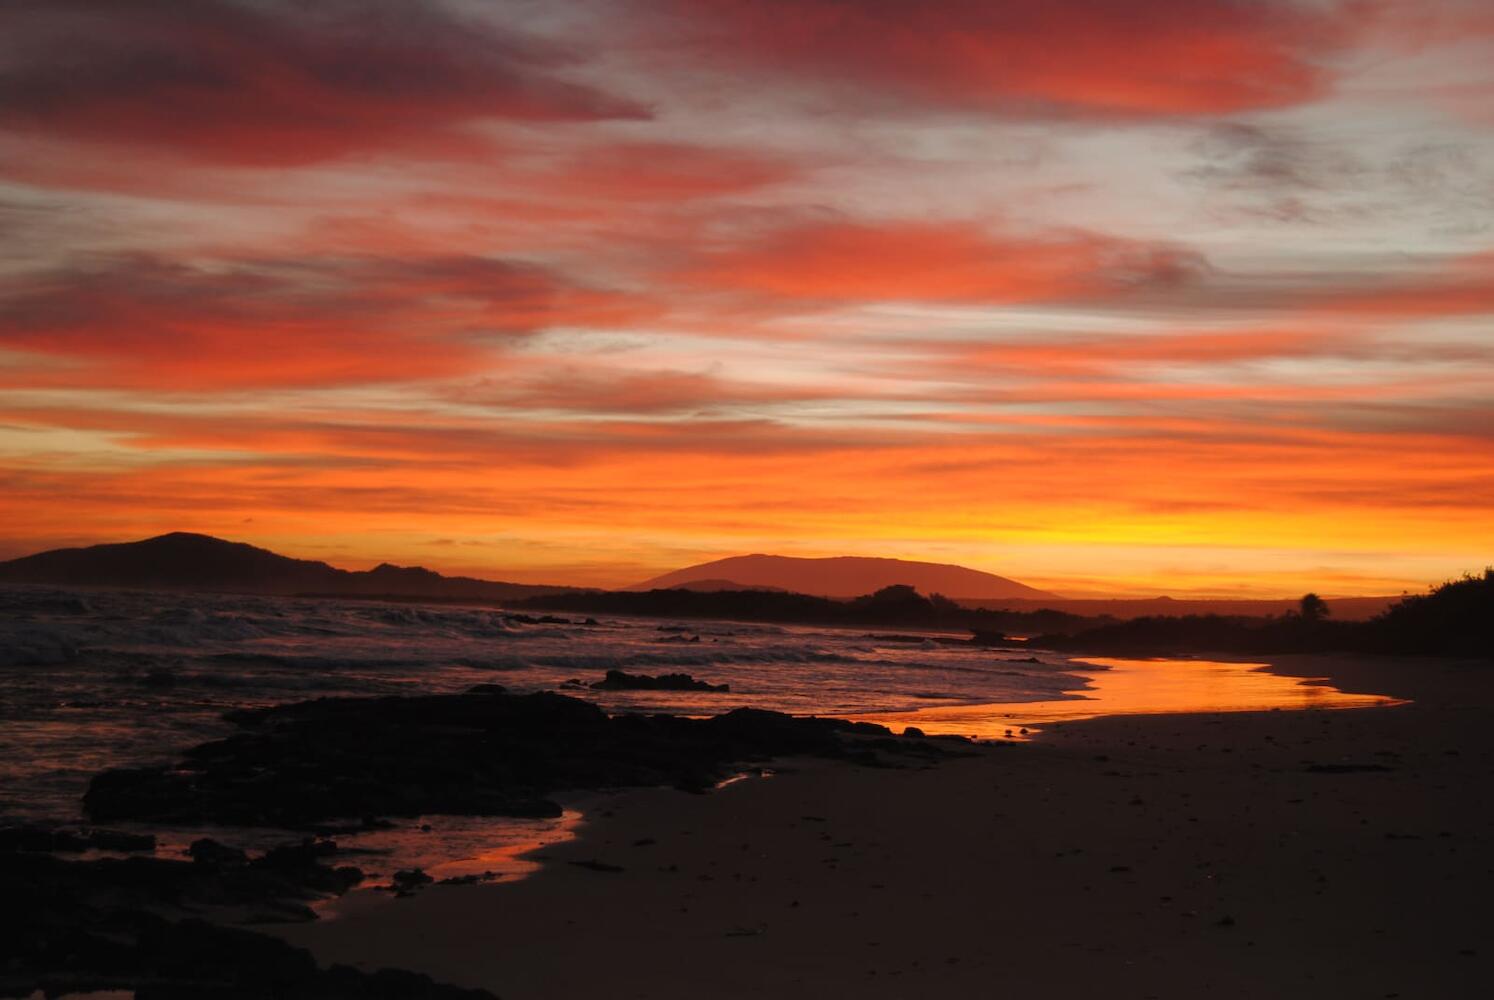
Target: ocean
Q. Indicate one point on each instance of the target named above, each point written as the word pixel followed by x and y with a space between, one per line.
pixel 91 679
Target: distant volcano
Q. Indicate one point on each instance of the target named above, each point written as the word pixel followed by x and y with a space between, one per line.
pixel 843 576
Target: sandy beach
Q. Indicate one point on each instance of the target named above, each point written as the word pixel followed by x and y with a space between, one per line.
pixel 1332 853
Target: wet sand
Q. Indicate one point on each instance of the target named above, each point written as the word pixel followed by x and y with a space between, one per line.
pixel 1314 854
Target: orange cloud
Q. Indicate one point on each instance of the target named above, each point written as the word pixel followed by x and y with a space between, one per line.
pixel 1135 357
pixel 656 171
pixel 733 485
pixel 1095 355
pixel 1463 286
pixel 932 262
pixel 598 389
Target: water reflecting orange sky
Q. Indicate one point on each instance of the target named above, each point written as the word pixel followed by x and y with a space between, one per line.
pixel 1140 687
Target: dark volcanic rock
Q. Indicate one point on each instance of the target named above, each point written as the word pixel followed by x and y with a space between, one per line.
pixel 616 680
pixel 72 841
pixel 303 865
pixel 411 878
pixel 983 637
pixel 132 924
pixel 487 753
pixel 216 875
pixel 75 926
pixel 208 851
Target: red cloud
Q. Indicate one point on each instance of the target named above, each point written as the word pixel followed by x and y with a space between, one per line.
pixel 933 262
pixel 598 389
pixel 1094 57
pixel 141 322
pixel 277 83
pixel 665 171
pixel 1463 286
pixel 1120 354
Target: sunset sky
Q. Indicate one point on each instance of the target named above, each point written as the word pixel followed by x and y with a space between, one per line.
pixel 1109 296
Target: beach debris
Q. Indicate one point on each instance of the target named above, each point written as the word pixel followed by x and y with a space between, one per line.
pixel 746 931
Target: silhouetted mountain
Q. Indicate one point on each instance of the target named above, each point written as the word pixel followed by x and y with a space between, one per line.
pixel 707 586
pixel 846 576
pixel 182 560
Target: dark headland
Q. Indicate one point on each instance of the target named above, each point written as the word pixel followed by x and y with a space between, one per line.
pixel 834 591
pixel 183 560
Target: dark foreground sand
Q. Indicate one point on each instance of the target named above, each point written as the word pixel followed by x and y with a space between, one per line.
pixel 1145 856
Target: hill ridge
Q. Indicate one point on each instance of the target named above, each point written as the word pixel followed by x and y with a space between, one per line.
pixel 187 559
pixel 847 576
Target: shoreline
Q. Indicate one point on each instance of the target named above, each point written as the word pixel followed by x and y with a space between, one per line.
pixel 1289 853
pixel 1140 686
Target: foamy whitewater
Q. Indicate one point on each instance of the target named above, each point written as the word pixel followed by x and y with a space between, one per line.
pixel 92 679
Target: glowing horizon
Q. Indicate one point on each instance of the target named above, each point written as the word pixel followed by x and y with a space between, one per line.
pixel 1186 297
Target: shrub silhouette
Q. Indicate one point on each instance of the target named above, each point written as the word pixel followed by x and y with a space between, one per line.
pixel 1312 608
pixel 1453 619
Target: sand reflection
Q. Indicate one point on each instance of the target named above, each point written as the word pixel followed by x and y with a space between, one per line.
pixel 1139 687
